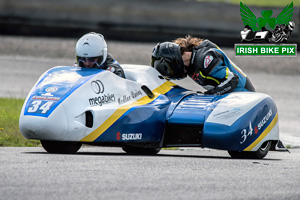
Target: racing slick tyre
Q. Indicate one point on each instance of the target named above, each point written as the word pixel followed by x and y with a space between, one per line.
pixel 61 146
pixel 140 150
pixel 259 154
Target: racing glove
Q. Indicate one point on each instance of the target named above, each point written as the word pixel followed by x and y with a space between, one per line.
pixel 228 85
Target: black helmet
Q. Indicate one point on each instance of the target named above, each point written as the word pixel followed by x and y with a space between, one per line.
pixel 166 58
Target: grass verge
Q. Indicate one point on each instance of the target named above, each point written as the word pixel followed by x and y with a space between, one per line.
pixel 10 135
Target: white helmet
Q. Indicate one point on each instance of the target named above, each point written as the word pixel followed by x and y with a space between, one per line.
pixel 91 45
pixel 291 25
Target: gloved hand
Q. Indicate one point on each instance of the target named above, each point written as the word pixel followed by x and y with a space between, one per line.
pixel 210 92
pixel 219 91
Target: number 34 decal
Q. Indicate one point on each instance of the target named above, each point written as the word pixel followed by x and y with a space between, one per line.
pixel 37 106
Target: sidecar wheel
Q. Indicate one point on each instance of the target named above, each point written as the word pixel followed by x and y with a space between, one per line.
pixel 61 147
pixel 140 150
pixel 259 154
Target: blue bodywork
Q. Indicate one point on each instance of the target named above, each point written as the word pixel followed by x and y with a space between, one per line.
pixel 62 81
pixel 175 118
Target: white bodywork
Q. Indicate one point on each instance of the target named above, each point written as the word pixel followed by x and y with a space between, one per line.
pixel 71 127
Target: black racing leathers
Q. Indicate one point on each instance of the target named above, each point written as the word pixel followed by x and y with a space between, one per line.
pixel 210 68
pixel 111 65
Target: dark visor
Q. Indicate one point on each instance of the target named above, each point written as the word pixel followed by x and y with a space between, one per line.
pixel 85 59
pixel 164 67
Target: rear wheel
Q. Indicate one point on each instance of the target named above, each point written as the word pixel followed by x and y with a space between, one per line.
pixel 61 146
pixel 259 154
pixel 140 150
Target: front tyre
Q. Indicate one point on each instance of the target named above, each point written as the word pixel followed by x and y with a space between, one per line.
pixel 259 154
pixel 140 150
pixel 61 147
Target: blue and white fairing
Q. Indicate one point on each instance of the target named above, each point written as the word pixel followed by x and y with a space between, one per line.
pixel 242 121
pixel 94 105
pixel 239 121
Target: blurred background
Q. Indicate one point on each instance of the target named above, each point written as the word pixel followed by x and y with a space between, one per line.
pixel 135 20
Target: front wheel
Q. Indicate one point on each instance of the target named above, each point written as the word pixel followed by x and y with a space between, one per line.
pixel 259 154
pixel 140 150
pixel 61 146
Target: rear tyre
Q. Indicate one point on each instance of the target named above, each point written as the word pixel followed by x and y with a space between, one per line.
pixel 259 154
pixel 61 146
pixel 140 150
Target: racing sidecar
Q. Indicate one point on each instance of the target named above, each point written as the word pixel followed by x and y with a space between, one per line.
pixel 257 36
pixel 70 106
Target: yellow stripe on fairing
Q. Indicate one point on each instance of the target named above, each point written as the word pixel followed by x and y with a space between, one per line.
pixel 164 88
pixel 263 135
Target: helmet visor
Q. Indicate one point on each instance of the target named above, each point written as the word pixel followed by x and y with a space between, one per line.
pixel 85 59
pixel 89 61
pixel 164 67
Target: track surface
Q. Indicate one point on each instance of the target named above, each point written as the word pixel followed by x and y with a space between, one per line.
pixel 108 173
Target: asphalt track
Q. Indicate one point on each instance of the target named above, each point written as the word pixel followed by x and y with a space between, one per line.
pixel 108 173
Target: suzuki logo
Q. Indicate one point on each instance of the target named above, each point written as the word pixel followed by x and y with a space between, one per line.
pixel 118 136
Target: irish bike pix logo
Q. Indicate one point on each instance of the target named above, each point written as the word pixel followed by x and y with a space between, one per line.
pixel 266 35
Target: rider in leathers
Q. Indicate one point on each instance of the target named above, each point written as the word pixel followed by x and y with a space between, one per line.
pixel 91 52
pixel 207 65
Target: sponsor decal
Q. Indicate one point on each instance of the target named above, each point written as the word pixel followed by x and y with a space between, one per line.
pixel 112 69
pixel 255 130
pixel 136 93
pixel 195 76
pixel 247 133
pixel 46 98
pixel 51 89
pixel 133 94
pixel 97 86
pixel 227 113
pixel 132 136
pixel 124 99
pixel 264 120
pixel 129 136
pixel 221 113
pixel 207 61
pixel 102 99
pixel 118 136
pixel 48 94
pixel 224 90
